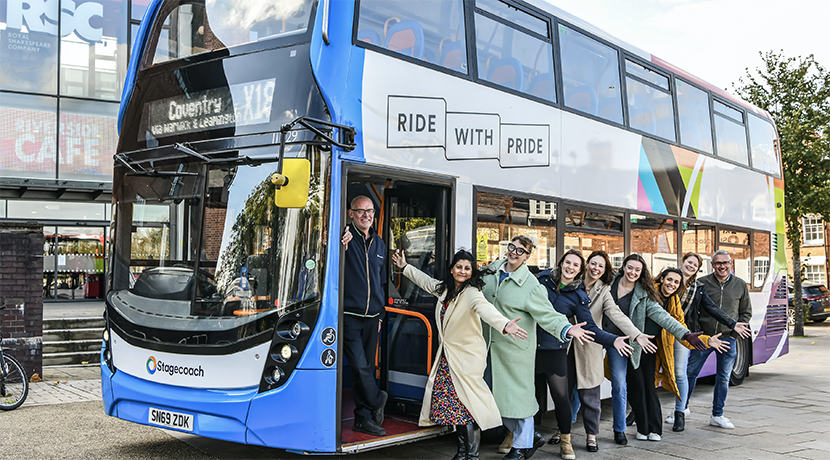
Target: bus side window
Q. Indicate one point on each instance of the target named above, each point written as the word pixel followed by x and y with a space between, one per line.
pixel 590 73
pixel 694 116
pixel 428 31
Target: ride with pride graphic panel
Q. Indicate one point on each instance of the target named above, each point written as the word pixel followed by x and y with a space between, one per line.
pixel 247 127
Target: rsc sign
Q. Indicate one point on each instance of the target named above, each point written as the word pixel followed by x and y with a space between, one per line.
pixel 42 16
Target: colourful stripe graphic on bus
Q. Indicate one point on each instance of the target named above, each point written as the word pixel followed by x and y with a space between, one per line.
pixel 667 174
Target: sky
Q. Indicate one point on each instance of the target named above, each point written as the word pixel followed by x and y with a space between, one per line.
pixel 715 40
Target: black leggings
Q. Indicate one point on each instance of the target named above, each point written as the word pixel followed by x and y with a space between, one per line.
pixel 555 370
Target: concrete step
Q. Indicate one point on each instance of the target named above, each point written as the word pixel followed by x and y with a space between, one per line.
pixel 73 323
pixel 63 335
pixel 63 359
pixel 71 346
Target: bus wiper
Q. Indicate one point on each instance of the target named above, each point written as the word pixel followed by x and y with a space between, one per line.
pixel 183 148
pixel 154 173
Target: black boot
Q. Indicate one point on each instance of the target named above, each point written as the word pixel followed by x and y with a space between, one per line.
pixel 679 421
pixel 463 439
pixel 474 441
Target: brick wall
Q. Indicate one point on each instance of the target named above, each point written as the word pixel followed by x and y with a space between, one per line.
pixel 21 290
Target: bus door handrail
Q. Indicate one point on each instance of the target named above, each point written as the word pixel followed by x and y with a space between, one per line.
pixel 326 22
pixel 429 331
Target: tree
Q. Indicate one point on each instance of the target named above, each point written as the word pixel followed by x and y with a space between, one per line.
pixel 796 92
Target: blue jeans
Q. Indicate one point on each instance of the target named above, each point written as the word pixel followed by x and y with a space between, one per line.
pixel 681 361
pixel 619 390
pixel 725 363
pixel 575 404
pixel 522 429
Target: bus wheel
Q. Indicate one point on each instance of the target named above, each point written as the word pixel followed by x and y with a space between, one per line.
pixel 741 368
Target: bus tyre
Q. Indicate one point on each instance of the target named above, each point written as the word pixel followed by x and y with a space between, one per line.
pixel 741 368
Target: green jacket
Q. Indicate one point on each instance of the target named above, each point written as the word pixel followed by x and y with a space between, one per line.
pixel 732 296
pixel 513 361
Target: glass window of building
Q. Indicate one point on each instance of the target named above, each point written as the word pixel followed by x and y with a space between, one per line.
pixel 694 116
pixel 730 133
pixel 814 273
pixel 88 139
pixel 650 105
pixel 700 239
pixel 138 8
pixel 590 76
pixel 28 131
pixel 813 230
pixel 764 143
pixel 432 32
pixel 502 217
pixel 761 258
pixel 29 46
pixel 511 56
pixel 654 238
pixel 56 210
pixel 737 244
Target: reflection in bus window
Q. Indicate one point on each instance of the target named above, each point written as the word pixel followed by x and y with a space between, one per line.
pixel 731 134
pixel 760 262
pixel 695 117
pixel 591 219
pixel 513 15
pixel 763 141
pixel 738 246
pixel 514 59
pixel 613 245
pixel 590 76
pixel 699 239
pixel 194 28
pixel 654 238
pixel 432 32
pixel 501 218
pixel 650 105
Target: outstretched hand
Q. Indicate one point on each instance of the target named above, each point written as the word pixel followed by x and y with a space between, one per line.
pixel 514 330
pixel 694 340
pixel 399 257
pixel 347 236
pixel 581 335
pixel 623 348
pixel 743 330
pixel 721 346
pixel 648 345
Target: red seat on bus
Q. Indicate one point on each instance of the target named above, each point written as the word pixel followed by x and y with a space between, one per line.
pixel 369 36
pixel 406 37
pixel 453 55
pixel 582 98
pixel 507 72
pixel 541 85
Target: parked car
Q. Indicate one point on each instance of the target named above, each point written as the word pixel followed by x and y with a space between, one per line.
pixel 816 299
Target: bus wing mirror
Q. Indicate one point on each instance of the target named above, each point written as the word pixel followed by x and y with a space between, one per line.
pixel 296 175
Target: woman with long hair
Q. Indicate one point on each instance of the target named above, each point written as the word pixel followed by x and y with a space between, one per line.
pixel 634 292
pixel 554 364
pixel 588 357
pixel 462 352
pixel 694 300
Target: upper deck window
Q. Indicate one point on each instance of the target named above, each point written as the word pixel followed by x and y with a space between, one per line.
pixel 188 28
pixel 650 105
pixel 514 50
pixel 731 133
pixel 429 31
pixel 764 145
pixel 695 116
pixel 590 75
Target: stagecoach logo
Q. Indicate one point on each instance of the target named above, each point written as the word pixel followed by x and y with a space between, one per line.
pixel 151 365
pixel 154 365
pixel 415 122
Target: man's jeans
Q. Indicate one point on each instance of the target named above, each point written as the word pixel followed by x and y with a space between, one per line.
pixel 725 363
pixel 619 388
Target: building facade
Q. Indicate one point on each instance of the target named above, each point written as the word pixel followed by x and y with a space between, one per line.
pixel 814 241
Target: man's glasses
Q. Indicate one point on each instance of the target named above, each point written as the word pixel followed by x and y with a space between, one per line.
pixel 722 264
pixel 519 251
pixel 367 212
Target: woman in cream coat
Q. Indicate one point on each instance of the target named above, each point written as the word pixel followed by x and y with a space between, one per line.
pixel 456 393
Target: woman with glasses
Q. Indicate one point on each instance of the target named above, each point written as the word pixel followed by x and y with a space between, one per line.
pixel 554 364
pixel 588 357
pixel 694 300
pixel 456 393
pixel 634 292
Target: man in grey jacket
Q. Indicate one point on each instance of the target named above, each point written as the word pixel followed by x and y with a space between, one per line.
pixel 731 294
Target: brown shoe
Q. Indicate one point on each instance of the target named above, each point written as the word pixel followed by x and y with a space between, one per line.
pixel 506 444
pixel 566 450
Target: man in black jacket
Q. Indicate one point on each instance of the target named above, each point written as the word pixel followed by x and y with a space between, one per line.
pixel 364 275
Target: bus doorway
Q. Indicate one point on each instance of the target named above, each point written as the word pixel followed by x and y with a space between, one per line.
pixel 413 215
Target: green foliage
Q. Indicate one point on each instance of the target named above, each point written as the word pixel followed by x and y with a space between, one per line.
pixel 796 92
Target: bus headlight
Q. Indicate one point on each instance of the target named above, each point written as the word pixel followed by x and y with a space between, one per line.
pixel 275 376
pixel 283 353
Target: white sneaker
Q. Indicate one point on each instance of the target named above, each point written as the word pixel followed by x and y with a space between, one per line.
pixel 721 421
pixel 642 437
pixel 654 437
pixel 670 417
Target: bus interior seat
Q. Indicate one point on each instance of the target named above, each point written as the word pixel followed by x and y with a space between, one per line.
pixel 541 85
pixel 452 55
pixel 507 72
pixel 429 56
pixel 369 36
pixel 406 37
pixel 581 97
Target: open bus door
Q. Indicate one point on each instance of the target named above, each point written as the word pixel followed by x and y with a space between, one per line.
pixel 413 217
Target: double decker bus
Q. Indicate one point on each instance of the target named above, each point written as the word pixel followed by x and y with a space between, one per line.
pixel 246 128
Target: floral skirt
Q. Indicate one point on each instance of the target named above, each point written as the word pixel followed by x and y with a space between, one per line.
pixel 446 408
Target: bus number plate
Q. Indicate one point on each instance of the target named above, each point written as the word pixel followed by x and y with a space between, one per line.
pixel 171 419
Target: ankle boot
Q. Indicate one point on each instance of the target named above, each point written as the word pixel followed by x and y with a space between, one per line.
pixel 461 431
pixel 507 443
pixel 566 450
pixel 473 441
pixel 679 421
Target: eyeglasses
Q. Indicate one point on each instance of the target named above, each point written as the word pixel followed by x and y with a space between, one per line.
pixel 722 264
pixel 519 251
pixel 366 212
